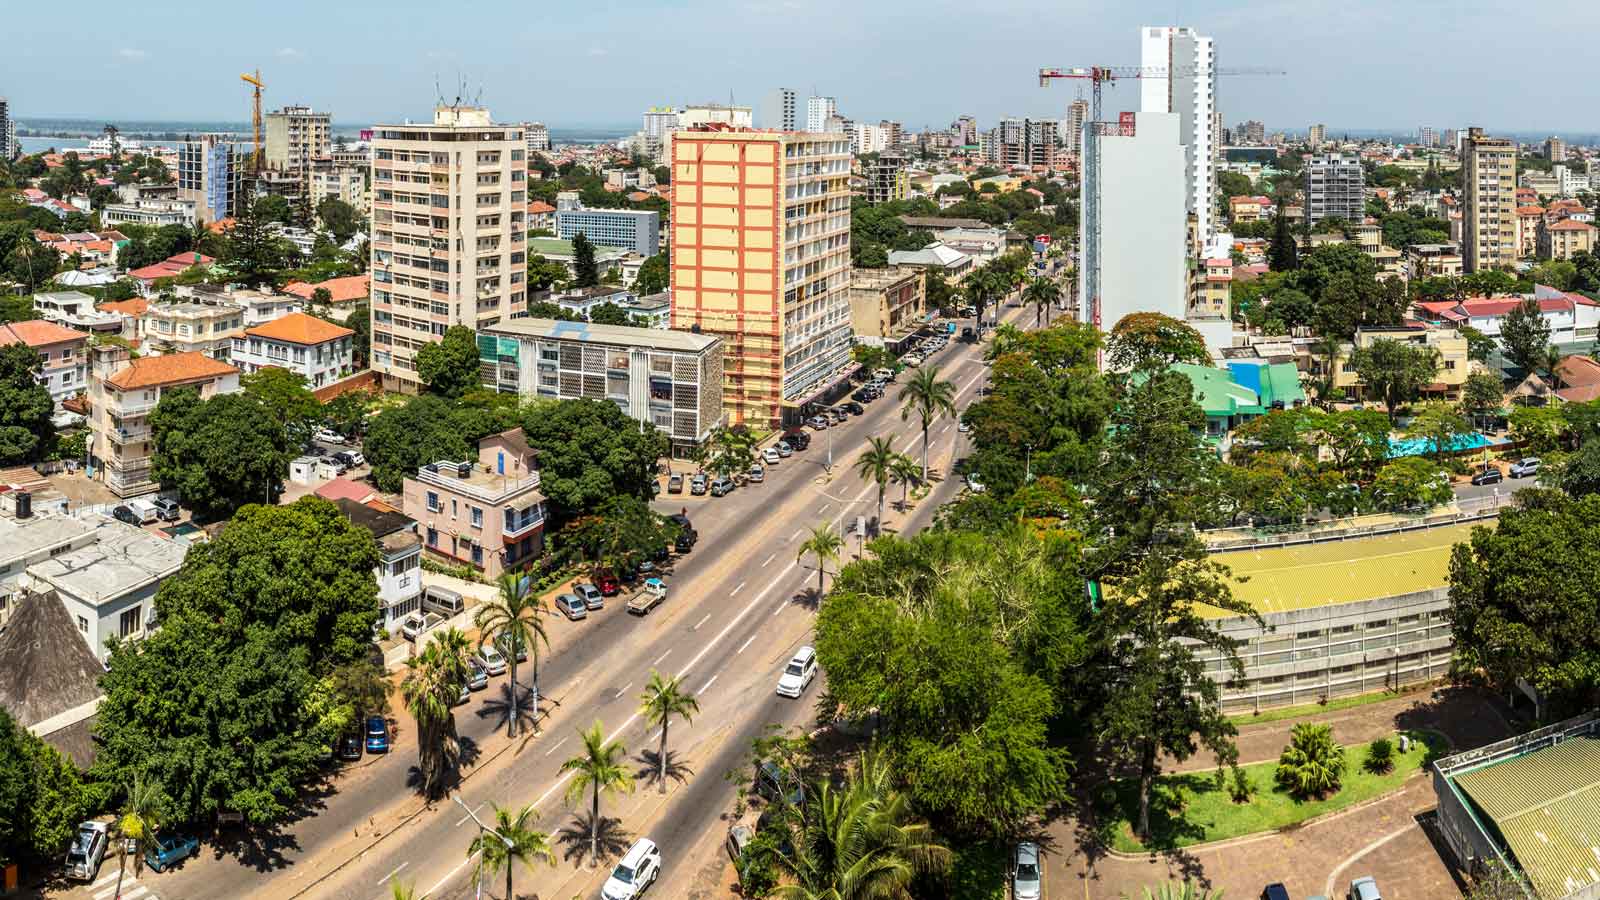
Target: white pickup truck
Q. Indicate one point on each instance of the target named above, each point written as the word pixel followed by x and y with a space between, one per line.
pixel 655 591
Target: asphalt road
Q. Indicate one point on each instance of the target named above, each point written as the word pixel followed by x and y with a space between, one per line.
pixel 739 605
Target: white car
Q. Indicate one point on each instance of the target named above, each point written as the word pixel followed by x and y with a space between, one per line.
pixel 491 660
pixel 327 436
pixel 798 674
pixel 1025 882
pixel 771 456
pixel 974 485
pixel 414 625
pixel 963 427
pixel 639 869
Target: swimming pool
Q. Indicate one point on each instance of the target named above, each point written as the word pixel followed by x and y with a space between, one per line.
pixel 1421 446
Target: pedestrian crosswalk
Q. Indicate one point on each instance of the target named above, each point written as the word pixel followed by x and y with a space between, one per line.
pixel 106 887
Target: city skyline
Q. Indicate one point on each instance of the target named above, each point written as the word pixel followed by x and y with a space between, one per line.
pixel 562 70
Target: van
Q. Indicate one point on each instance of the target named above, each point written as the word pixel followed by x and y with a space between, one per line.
pixel 445 602
pixel 146 511
pixel 166 510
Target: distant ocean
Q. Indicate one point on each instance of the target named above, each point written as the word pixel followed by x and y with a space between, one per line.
pixel 65 134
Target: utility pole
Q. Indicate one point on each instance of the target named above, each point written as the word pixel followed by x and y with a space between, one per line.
pixel 482 829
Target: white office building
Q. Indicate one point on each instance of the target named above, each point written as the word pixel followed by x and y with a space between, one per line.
pixel 1140 257
pixel 1190 91
pixel 818 111
pixel 778 110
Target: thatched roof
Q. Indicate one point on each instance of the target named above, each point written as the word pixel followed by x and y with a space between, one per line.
pixel 46 667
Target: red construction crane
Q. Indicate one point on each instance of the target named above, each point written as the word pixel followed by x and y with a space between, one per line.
pixel 1089 168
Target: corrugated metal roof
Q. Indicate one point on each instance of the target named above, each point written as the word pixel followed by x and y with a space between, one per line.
pixel 1547 807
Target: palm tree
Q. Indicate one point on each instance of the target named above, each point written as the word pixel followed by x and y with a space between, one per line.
pixel 516 620
pixel 430 690
pixel 599 768
pixel 662 699
pixel 398 891
pixel 513 840
pixel 1041 292
pixel 875 464
pixel 928 397
pixel 137 821
pixel 1551 361
pixel 1313 764
pixel 905 473
pixel 825 544
pixel 1006 338
pixel 1187 890
pixel 860 843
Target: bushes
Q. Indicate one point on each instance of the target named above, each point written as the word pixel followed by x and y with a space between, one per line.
pixel 1380 756
pixel 1313 764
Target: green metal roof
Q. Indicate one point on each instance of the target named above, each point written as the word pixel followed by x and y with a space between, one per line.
pixel 1547 807
pixel 1217 393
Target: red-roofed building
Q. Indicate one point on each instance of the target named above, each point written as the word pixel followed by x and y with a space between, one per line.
pixel 318 351
pixel 541 215
pixel 1249 209
pixel 1562 239
pixel 342 291
pixel 1578 379
pixel 122 394
pixel 1572 318
pixel 1529 218
pixel 171 267
pixel 342 488
pixel 65 365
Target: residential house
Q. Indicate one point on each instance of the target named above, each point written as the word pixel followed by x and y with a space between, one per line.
pixel 1251 208
pixel 1211 289
pixel 672 379
pixel 888 306
pixel 109 587
pixel 171 267
pixel 982 244
pixel 49 678
pixel 560 251
pixel 399 570
pixel 1529 219
pixel 1245 389
pixel 1454 365
pixel 318 351
pixel 24 542
pixel 1572 318
pixel 191 327
pixel 343 293
pixel 541 215
pixel 122 394
pixel 486 513
pixel 65 363
pixel 1428 260
pixel 76 310
pixel 583 301
pixel 949 261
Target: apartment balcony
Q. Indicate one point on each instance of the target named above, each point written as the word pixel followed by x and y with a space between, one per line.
pixel 137 434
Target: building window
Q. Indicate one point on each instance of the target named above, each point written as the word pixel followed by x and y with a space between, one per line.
pixel 477 555
pixel 477 517
pixel 433 537
pixel 433 505
pixel 129 623
pixel 83 625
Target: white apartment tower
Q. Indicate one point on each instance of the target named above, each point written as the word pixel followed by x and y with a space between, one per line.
pixel 1489 219
pixel 450 222
pixel 1138 263
pixel 778 111
pixel 1190 91
pixel 818 111
pixel 1072 128
pixel 297 136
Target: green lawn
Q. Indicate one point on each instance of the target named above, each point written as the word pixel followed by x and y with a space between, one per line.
pixel 1193 808
pixel 1310 710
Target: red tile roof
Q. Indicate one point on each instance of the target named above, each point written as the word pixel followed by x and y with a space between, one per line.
pixel 135 307
pixel 348 289
pixel 299 328
pixel 170 369
pixel 538 207
pixel 176 264
pixel 1571 225
pixel 342 488
pixel 38 333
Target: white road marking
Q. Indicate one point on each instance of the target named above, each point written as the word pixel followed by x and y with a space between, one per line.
pixel 824 508
pixel 557 746
pixel 138 891
pixel 797 533
pixel 660 658
pixel 781 607
pixel 622 689
pixel 745 644
pixel 754 602
pixel 701 622
pixel 382 881
pixel 707 685
pixel 102 882
pixel 741 584
pixel 465 818
pixel 769 560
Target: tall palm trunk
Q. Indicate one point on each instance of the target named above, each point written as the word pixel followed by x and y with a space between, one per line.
pixel 924 446
pixel 534 653
pixel 879 527
pixel 594 828
pixel 122 866
pixel 663 760
pixel 509 867
pixel 511 729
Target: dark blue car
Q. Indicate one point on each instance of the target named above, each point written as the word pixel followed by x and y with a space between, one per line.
pixel 377 735
pixel 169 850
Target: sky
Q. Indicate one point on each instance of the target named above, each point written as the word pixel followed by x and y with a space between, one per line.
pixel 1357 64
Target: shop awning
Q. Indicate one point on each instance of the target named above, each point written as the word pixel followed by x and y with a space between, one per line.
pixel 833 381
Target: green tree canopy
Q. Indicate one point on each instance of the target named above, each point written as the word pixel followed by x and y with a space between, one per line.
pixel 220 453
pixel 425 429
pixel 449 367
pixel 1525 334
pixel 26 431
pixel 586 273
pixel 589 452
pixel 1394 371
pixel 42 796
pixel 340 218
pixel 653 275
pixel 1144 341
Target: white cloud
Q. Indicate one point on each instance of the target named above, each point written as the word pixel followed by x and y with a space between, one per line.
pixel 289 53
pixel 131 54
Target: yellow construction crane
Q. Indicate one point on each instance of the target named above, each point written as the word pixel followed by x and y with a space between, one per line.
pixel 255 118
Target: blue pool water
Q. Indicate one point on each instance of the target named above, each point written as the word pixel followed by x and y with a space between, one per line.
pixel 1420 446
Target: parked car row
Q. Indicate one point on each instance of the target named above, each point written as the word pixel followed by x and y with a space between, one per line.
pixel 145 510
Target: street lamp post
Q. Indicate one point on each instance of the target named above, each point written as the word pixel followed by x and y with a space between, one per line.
pixel 482 829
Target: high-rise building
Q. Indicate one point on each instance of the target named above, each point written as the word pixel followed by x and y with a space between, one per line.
pixel 638 230
pixel 818 111
pixel 450 224
pixel 1218 134
pixel 1555 149
pixel 886 177
pixel 1025 142
pixel 296 137
pixel 1250 132
pixel 211 175
pixel 1077 114
pixel 869 138
pixel 1452 139
pixel 1134 256
pixel 538 137
pixel 761 258
pixel 1489 214
pixel 1190 91
pixel 1316 136
pixel 1335 186
pixel 658 120
pixel 9 149
pixel 778 111
pixel 965 130
pixel 1427 136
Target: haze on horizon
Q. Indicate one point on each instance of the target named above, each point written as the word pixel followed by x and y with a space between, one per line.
pixel 1356 64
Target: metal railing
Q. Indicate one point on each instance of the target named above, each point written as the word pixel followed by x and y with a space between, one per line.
pixel 1221 540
